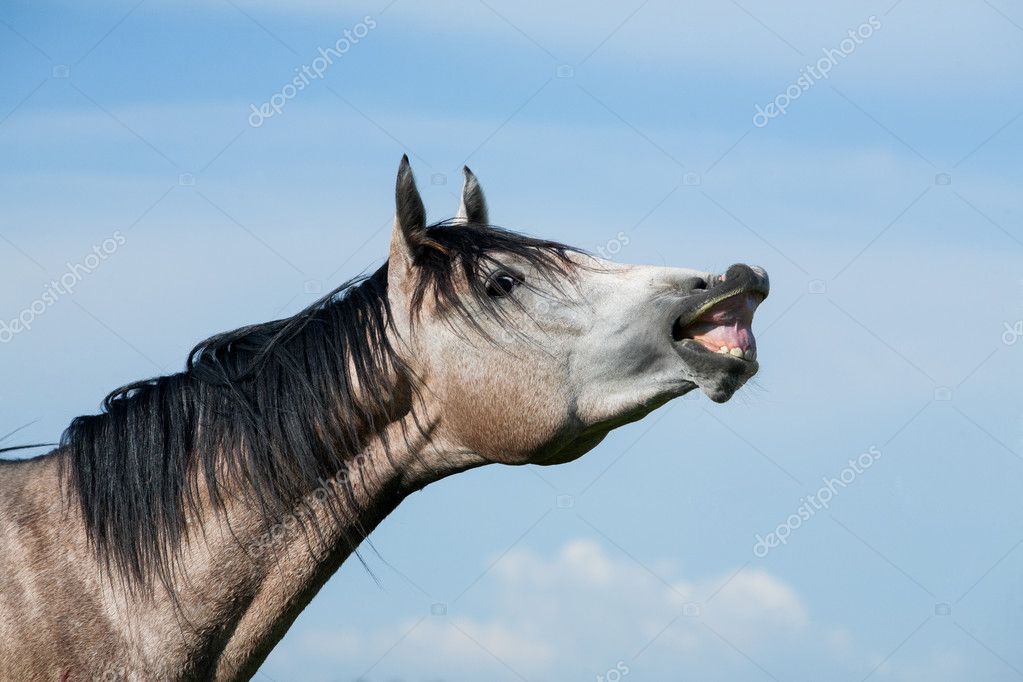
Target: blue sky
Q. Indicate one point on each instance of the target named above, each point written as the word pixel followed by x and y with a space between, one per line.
pixel 885 204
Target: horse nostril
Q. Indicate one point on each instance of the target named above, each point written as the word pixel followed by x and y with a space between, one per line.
pixel 693 284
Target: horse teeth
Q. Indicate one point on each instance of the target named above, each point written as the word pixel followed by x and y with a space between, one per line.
pixel 748 354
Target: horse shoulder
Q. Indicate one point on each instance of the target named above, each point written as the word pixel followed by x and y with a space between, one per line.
pixel 52 620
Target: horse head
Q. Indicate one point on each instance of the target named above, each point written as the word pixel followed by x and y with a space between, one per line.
pixel 532 351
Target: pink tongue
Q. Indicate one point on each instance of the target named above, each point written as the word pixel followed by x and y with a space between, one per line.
pixel 728 324
pixel 730 336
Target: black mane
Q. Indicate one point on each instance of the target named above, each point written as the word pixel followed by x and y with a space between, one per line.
pixel 267 411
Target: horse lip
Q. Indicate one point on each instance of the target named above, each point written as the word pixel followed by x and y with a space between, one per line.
pixel 719 376
pixel 713 297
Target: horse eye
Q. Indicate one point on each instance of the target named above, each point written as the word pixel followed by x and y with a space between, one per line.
pixel 502 284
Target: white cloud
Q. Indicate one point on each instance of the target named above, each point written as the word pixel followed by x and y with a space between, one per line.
pixel 587 609
pixel 574 614
pixel 434 644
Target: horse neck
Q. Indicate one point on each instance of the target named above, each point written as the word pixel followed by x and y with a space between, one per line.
pixel 238 584
pixel 244 584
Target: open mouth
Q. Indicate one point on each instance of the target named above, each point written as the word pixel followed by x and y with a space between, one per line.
pixel 723 325
pixel 713 332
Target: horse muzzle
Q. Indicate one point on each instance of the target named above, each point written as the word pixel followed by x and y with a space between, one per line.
pixel 713 331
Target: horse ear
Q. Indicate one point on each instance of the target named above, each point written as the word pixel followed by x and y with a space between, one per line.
pixel 473 208
pixel 409 219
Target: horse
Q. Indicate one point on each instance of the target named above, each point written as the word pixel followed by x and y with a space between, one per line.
pixel 178 533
